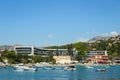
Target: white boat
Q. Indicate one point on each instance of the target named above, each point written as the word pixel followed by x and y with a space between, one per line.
pixel 101 70
pixel 59 68
pixel 22 67
pixel 89 67
pixel 70 68
pixel 48 68
pixel 19 70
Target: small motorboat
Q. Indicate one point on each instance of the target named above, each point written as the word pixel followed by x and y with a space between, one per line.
pixel 22 67
pixel 59 68
pixel 89 67
pixel 48 68
pixel 70 68
pixel 101 70
pixel 19 70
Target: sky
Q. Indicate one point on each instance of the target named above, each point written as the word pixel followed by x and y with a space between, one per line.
pixel 57 22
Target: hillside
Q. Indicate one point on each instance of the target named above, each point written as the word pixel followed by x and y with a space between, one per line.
pixel 4 47
pixel 97 38
pixel 112 44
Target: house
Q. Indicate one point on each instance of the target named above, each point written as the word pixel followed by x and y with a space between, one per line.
pixel 117 60
pixel 92 53
pixel 62 59
pixel 98 58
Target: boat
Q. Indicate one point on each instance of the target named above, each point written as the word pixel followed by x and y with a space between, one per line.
pixel 59 68
pixel 89 67
pixel 48 68
pixel 22 67
pixel 101 70
pixel 19 70
pixel 70 68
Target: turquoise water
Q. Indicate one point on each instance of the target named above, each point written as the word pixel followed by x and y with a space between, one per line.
pixel 82 73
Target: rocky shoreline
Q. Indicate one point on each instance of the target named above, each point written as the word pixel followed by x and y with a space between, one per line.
pixel 78 64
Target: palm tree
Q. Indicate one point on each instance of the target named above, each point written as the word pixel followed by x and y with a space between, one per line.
pixel 57 52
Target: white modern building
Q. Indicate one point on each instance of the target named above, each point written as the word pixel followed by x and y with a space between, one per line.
pixel 31 50
pixel 24 50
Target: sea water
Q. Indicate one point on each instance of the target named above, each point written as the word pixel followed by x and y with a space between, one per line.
pixel 82 73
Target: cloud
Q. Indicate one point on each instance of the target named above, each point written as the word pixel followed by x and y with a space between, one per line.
pixel 114 33
pixel 80 39
pixel 50 35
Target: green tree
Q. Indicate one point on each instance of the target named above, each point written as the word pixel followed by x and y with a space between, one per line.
pixel 70 50
pixel 113 55
pixel 24 61
pixel 78 57
pixel 102 45
pixel 50 55
pixel 57 52
pixel 82 49
pixel 113 49
pixel 1 59
pixel 37 58
pixel 11 56
pixel 19 58
pixel 118 47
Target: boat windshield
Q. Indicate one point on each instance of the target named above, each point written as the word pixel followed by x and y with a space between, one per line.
pixel 72 66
